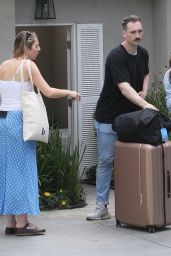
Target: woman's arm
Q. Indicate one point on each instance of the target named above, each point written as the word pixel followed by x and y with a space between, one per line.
pixel 48 91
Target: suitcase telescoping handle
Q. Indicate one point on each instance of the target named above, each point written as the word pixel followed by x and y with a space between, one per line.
pixel 168 184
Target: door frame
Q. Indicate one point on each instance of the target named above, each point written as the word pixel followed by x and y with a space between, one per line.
pixel 71 73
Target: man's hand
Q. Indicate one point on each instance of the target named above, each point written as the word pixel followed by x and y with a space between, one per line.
pixel 148 105
pixel 142 94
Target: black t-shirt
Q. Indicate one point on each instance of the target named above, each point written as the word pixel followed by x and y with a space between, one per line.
pixel 121 67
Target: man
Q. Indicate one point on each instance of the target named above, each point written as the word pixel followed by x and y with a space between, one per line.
pixel 124 90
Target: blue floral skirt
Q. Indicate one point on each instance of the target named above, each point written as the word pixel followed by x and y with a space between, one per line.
pixel 18 168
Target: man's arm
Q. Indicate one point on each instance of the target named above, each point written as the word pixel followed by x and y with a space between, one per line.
pixel 128 92
pixel 144 91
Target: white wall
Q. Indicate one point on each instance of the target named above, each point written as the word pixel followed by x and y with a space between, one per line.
pixel 108 12
pixel 168 30
pixel 159 35
pixel 155 16
pixel 7 28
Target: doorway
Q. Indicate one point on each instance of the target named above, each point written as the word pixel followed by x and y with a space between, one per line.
pixel 55 66
pixel 72 58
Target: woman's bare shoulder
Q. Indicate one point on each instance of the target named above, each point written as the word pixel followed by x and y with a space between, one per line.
pixel 7 62
pixel 8 69
pixel 33 64
pixel 34 67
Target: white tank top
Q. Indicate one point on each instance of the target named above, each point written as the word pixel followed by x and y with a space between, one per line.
pixel 11 92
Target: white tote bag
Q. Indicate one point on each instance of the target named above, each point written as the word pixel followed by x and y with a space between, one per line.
pixel 35 120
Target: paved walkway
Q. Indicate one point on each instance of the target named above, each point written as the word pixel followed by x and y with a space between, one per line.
pixel 69 234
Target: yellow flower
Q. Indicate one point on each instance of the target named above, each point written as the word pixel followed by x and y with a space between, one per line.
pixel 63 203
pixel 47 194
pixel 60 190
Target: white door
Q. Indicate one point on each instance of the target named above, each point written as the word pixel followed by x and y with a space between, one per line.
pixel 90 81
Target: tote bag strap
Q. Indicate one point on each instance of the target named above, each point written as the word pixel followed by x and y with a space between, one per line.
pixel 29 70
pixel 20 69
pixel 30 74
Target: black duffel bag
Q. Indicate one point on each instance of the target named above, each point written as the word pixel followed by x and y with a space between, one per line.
pixel 143 126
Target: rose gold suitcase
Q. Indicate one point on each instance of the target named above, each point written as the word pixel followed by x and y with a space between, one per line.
pixel 143 185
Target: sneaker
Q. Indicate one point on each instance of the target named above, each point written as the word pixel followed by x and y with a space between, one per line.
pixel 100 213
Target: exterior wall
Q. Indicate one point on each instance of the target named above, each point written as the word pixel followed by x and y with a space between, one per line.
pixel 107 12
pixel 168 31
pixel 7 28
pixel 160 35
pixel 155 15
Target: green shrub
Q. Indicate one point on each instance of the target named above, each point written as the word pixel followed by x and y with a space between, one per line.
pixel 156 96
pixel 59 176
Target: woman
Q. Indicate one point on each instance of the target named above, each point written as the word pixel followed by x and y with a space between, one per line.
pixel 167 85
pixel 18 170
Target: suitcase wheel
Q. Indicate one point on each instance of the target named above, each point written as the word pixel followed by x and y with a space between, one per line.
pixel 118 223
pixel 151 229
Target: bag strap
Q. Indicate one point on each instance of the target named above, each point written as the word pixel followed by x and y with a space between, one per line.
pixel 20 69
pixel 29 70
pixel 22 72
pixel 30 74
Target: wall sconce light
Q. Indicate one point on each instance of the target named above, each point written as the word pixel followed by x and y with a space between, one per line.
pixel 45 10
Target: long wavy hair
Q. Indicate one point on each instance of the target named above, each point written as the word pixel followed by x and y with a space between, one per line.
pixel 23 39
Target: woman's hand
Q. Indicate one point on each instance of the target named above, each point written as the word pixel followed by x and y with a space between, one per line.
pixel 74 95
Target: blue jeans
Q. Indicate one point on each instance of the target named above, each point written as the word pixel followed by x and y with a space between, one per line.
pixel 106 139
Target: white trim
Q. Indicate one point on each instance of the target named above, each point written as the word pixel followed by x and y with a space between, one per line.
pixel 50 24
pixel 75 121
pixel 44 25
